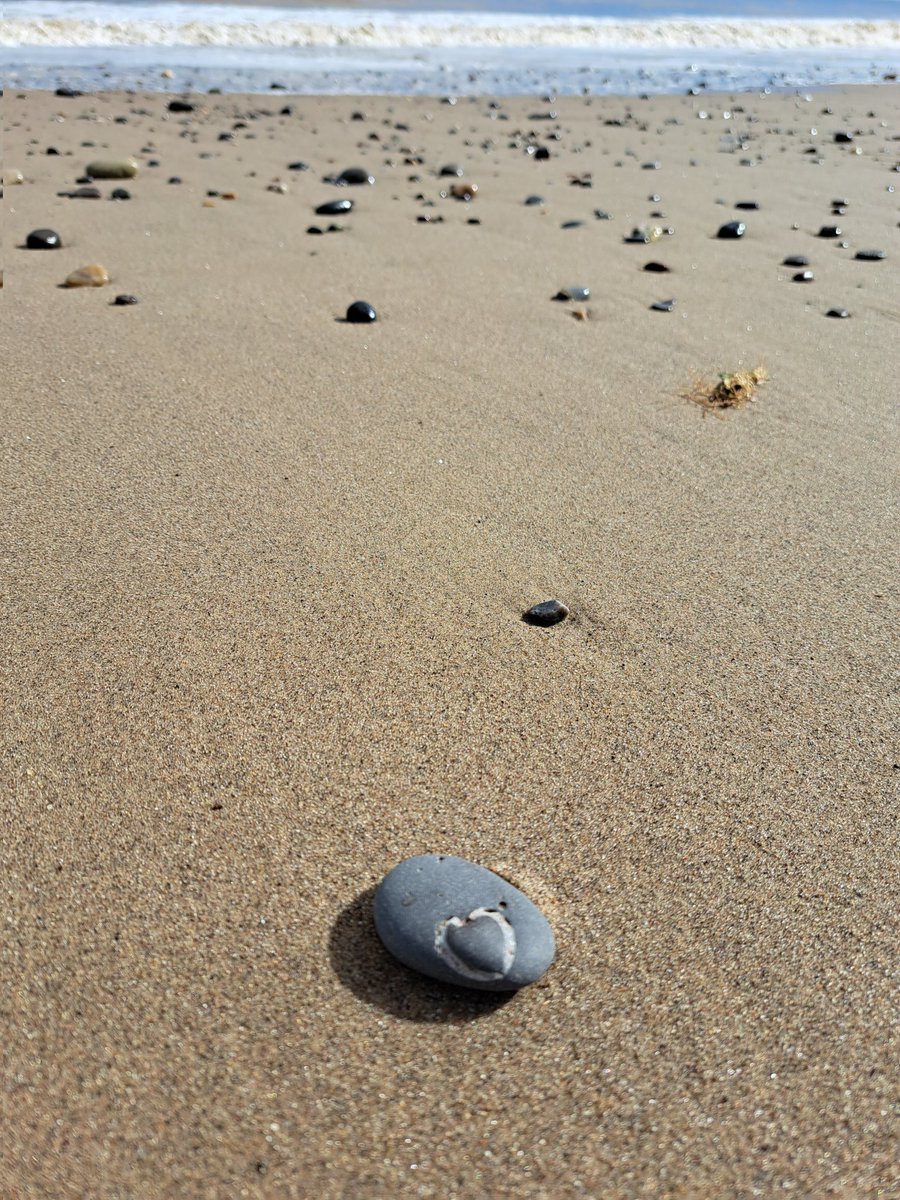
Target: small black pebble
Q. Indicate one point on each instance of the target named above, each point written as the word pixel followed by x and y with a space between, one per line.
pixel 657 268
pixel 473 221
pixel 313 229
pixel 180 106
pixel 84 193
pixel 830 231
pixel 51 150
pixel 298 166
pixel 795 260
pixel 360 313
pixel 548 612
pixel 663 306
pixel 843 136
pixel 175 179
pixel 451 169
pixel 601 215
pixel 803 277
pixel 121 301
pixel 532 200
pixel 68 92
pixel 840 313
pixel 571 224
pixel 43 239
pixel 120 194
pixel 748 205
pixel 333 208
pixel 541 152
pixel 870 255
pixel 354 176
pixel 733 229
pixel 841 202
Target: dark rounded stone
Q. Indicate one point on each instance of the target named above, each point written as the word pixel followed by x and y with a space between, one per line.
pixel 452 169
pixel 571 224
pixel 360 313
pixel 841 202
pixel 748 205
pixel 227 136
pixel 602 215
pixel 357 116
pixel 839 313
pixel 870 255
pixel 333 208
pixel 541 152
pixel 353 177
pixel 733 229
pixel 548 612
pixel 651 166
pixel 803 277
pixel 843 135
pixel 795 260
pixel 830 231
pixel 43 239
pixel 123 299
pixel 298 166
pixel 175 179
pixel 313 229
pixel 180 106
pixel 68 93
pixel 120 194
pixel 462 924
pixel 52 150
pixel 85 193
pixel 663 306
pixel 657 268
pixel 532 200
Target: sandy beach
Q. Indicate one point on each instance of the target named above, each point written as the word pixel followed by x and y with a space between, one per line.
pixel 263 579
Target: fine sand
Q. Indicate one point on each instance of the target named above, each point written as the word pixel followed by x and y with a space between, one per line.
pixel 263 579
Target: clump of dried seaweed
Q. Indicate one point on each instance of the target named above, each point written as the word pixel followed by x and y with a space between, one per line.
pixel 732 390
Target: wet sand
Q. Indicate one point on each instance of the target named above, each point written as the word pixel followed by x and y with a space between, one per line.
pixel 263 580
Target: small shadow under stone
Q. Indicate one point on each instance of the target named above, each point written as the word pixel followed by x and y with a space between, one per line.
pixel 363 965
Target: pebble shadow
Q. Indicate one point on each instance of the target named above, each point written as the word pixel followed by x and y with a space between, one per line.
pixel 363 965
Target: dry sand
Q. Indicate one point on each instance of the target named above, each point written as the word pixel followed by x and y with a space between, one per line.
pixel 264 574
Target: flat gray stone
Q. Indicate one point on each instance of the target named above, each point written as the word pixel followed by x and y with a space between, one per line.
pixel 462 924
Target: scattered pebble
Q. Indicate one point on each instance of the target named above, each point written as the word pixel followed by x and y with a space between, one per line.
pixel 464 191
pixel 657 268
pixel 11 178
pixel 830 231
pixel 575 292
pixel 43 239
pixel 361 313
pixel 803 277
pixel 458 922
pixel 112 169
pixel 732 229
pixel 123 299
pixel 93 275
pixel 548 612
pixel 663 305
pixel 452 169
pixel 870 255
pixel 120 194
pixel 353 177
pixel 278 187
pixel 795 260
pixel 334 208
pixel 532 200
pixel 602 215
pixel 839 313
pixel 181 106
pixel 747 205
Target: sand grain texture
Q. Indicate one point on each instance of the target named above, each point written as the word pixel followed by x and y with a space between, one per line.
pixel 263 579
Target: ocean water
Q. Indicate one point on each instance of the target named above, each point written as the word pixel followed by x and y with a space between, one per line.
pixel 450 46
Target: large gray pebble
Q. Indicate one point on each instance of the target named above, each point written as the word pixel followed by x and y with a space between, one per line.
pixel 460 923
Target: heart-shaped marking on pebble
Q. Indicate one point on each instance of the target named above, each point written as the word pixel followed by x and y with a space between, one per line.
pixel 479 946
